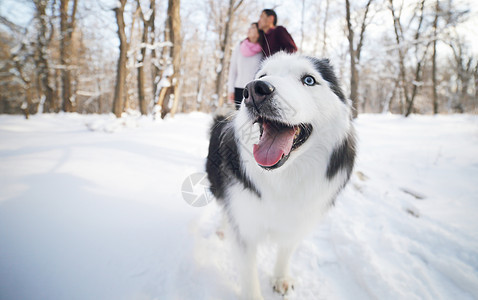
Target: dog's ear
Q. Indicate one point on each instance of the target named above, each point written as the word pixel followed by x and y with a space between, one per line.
pixel 315 60
pixel 324 67
pixel 326 61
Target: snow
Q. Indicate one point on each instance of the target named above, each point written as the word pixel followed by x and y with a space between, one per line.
pixel 219 68
pixel 147 14
pixel 164 82
pixel 91 208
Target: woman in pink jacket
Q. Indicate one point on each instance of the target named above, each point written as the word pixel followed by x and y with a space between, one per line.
pixel 245 61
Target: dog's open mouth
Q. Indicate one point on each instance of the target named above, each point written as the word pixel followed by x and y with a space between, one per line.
pixel 277 141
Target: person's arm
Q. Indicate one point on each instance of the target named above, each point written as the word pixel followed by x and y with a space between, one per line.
pixel 287 43
pixel 232 73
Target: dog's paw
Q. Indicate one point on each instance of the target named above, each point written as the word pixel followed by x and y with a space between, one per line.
pixel 283 286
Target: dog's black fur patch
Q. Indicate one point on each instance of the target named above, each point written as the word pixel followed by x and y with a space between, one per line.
pixel 343 157
pixel 223 159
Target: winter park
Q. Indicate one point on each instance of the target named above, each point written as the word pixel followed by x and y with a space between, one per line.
pixel 106 110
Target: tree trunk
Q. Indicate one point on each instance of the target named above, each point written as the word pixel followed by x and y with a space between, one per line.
pixel 143 105
pixel 201 104
pixel 67 26
pixel 355 53
pixel 326 17
pixel 418 78
pixel 302 20
pixel 199 85
pixel 57 79
pixel 223 48
pixel 388 100
pixel 418 73
pixel 41 59
pixel 155 72
pixel 434 60
pixel 27 104
pixel 475 76
pixel 120 95
pixel 65 57
pixel 353 68
pixel 173 34
pixel 397 30
pixel 225 45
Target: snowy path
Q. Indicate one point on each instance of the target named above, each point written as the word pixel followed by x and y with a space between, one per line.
pixel 95 212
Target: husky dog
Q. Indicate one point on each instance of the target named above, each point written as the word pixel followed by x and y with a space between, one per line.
pixel 277 165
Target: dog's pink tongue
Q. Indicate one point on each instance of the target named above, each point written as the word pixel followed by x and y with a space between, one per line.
pixel 274 143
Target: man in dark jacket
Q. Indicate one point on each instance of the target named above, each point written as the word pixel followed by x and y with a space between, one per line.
pixel 276 38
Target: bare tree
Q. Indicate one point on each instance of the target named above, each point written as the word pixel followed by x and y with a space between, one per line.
pixel 355 52
pixel 41 55
pixel 147 24
pixel 475 76
pixel 397 26
pixel 420 57
pixel 324 25
pixel 67 27
pixel 465 68
pixel 171 54
pixel 201 80
pixel 95 67
pixel 302 20
pixel 224 49
pixel 120 95
pixel 434 59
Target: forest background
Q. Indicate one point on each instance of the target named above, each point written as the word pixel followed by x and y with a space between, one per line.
pixel 160 57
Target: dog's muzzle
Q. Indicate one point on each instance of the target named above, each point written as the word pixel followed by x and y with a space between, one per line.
pixel 256 93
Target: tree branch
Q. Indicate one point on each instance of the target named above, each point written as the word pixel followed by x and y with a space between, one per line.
pixel 73 14
pixel 362 30
pixel 237 5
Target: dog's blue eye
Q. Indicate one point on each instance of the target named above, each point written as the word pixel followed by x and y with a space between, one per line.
pixel 308 80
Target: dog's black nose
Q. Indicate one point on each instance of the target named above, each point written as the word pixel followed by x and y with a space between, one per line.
pixel 257 92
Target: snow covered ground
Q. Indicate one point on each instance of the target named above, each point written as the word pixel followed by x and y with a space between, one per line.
pixel 91 208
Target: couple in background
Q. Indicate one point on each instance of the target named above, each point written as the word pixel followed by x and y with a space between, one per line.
pixel 264 38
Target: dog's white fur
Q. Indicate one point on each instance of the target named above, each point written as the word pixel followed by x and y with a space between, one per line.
pixel 296 195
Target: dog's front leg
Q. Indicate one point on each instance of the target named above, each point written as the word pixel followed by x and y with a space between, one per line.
pixel 251 289
pixel 282 283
